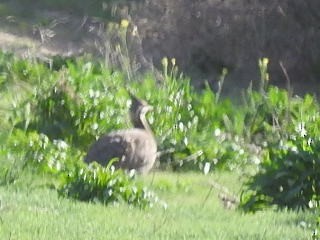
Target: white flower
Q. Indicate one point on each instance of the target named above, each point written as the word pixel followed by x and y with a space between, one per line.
pixel 112 169
pixel 301 129
pixel 97 94
pixel 206 168
pixel 95 126
pixel 91 93
pixel 256 160
pixel 60 144
pixel 185 141
pixel 110 192
pixel 63 144
pixel 294 149
pixel 181 126
pixel 102 115
pixel 217 132
pixel 132 173
pixel 58 166
pixel 241 152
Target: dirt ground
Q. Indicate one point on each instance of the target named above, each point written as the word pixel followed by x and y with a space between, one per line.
pixel 46 34
pixel 202 44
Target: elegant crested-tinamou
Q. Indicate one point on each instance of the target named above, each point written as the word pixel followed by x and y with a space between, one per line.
pixel 134 148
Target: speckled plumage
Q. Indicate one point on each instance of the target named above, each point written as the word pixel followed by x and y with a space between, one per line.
pixel 134 148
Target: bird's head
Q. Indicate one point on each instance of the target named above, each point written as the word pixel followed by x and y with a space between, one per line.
pixel 138 110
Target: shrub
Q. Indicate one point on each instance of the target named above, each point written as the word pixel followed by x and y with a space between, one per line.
pixel 31 149
pixel 106 185
pixel 289 171
pixel 84 100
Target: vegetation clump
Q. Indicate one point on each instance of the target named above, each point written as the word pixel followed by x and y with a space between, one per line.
pixel 106 185
pixel 288 175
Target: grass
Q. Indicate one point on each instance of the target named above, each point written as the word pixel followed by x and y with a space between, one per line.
pixel 38 213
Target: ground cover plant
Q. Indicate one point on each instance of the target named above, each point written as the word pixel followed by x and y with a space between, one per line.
pixel 50 116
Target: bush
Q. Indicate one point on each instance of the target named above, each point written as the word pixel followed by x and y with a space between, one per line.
pixel 288 175
pixel 106 185
pixel 31 150
pixel 84 100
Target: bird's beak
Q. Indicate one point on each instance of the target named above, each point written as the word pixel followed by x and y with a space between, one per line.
pixel 147 108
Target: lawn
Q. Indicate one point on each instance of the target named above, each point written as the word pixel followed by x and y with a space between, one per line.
pixel 28 211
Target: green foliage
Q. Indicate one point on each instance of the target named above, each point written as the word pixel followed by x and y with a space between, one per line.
pixel 15 69
pixel 315 234
pixel 76 104
pixel 66 109
pixel 84 100
pixel 33 150
pixel 77 180
pixel 60 112
pixel 290 171
pixel 288 128
pixel 193 125
pixel 105 184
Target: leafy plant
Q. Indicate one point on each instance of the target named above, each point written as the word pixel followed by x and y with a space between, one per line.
pixel 106 185
pixel 286 128
pixel 36 150
pixel 84 100
pixel 315 234
pixel 289 171
pixel 192 127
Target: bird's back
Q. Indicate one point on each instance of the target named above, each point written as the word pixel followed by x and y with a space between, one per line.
pixel 134 148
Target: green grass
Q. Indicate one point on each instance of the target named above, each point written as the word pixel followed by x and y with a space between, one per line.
pixel 28 212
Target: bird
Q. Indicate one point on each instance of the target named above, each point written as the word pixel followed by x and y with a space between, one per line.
pixel 134 148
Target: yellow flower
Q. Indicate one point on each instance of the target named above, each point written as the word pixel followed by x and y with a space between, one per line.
pixel 124 23
pixel 265 61
pixel 267 77
pixel 164 62
pixel 224 71
pixel 173 61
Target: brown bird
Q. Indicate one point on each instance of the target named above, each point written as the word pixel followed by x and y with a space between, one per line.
pixel 134 148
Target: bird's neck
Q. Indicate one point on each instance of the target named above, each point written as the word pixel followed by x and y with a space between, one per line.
pixel 142 123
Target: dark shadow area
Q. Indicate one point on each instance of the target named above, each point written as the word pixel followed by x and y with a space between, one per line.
pixel 204 36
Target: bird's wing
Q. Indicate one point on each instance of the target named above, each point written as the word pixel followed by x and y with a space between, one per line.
pixel 106 148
